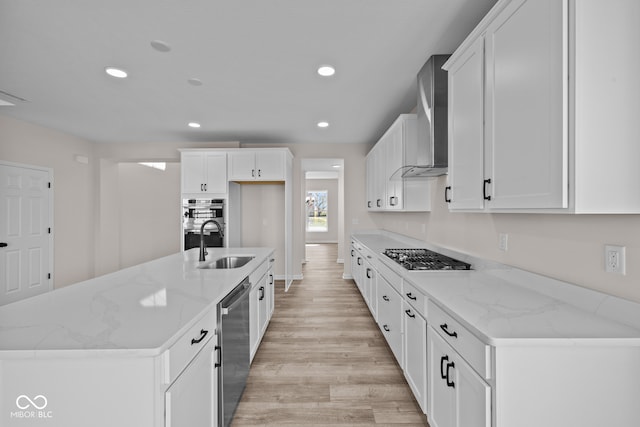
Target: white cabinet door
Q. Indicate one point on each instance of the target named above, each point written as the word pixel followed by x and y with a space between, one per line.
pixel 457 396
pixel 380 177
pixel 242 166
pixel 192 398
pixel 415 354
pixel 389 320
pixel 371 181
pixel 204 172
pixel 263 305
pixel 271 294
pixel 254 320
pixel 270 165
pixel 466 130
pixel 370 289
pixel 216 172
pixel 526 65
pixel 394 159
pixel 193 172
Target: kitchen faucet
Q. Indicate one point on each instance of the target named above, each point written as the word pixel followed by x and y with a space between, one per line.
pixel 203 251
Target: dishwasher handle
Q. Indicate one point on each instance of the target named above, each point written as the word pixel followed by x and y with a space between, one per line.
pixel 234 297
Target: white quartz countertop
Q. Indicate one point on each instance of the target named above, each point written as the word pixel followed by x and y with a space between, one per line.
pixel 140 310
pixel 503 305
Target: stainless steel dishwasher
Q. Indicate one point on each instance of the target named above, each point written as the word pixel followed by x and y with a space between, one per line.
pixel 233 330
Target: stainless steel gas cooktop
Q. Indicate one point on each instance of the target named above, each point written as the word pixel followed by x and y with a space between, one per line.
pixel 425 259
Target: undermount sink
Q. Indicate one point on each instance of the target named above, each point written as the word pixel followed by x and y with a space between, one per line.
pixel 228 262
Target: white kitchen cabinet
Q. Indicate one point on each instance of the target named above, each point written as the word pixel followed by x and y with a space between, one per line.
pixel 203 172
pixel 386 189
pixel 415 353
pixel 389 317
pixel 191 399
pixel 558 134
pixel 257 165
pixel 458 397
pixel 370 288
pixel 259 304
pixel 466 129
pixel 271 294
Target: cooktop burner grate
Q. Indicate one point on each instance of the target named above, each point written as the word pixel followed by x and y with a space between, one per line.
pixel 425 259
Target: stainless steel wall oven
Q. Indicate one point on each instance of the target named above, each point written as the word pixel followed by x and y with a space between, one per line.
pixel 195 213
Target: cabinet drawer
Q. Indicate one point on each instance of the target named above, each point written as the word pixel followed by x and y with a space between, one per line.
pixel 474 351
pixel 391 276
pixel 256 276
pixel 415 298
pixel 187 347
pixel 390 317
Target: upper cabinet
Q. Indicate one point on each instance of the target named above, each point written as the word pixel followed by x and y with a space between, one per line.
pixel 204 172
pixel 386 189
pixel 257 165
pixel 538 121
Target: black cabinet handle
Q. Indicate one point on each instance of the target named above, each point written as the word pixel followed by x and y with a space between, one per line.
pixel 442 360
pixel 3 245
pixel 369 203
pixel 205 187
pixel 378 202
pixel 393 200
pixel 386 328
pixel 259 172
pixel 386 298
pixel 271 279
pixel 261 289
pixel 410 314
pixel 411 297
pixel 359 259
pixel 219 362
pixel 484 189
pixel 201 187
pixel 351 252
pixel 368 273
pixel 445 327
pixel 447 199
pixel 203 333
pixel 450 383
pixel 253 173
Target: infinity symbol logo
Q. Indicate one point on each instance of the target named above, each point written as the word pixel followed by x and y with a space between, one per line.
pixel 22 398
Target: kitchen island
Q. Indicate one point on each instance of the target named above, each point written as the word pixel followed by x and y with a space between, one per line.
pixel 108 351
pixel 497 346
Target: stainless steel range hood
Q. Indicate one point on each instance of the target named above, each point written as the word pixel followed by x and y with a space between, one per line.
pixel 432 121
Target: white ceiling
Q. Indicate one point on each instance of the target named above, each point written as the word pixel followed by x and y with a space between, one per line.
pixel 257 60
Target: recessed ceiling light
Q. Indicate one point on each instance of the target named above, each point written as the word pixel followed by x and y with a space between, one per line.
pixel 194 125
pixel 160 46
pixel 326 70
pixel 335 166
pixel 116 72
pixel 323 124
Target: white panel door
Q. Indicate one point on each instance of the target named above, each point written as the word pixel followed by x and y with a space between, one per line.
pixel 526 51
pixel 25 240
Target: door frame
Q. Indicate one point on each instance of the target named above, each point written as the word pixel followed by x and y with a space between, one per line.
pixel 49 172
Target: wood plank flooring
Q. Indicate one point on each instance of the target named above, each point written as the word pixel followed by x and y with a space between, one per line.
pixel 323 361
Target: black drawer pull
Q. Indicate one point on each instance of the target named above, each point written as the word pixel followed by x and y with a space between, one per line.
pixel 445 327
pixel 359 259
pixel 261 289
pixel 368 273
pixel 386 328
pixel 203 334
pixel 219 362
pixel 386 298
pixel 410 296
pixel 410 314
pixel 450 383
pixel 484 189
pixel 442 360
pixel 447 198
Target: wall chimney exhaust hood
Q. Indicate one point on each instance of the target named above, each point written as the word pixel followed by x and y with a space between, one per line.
pixel 432 121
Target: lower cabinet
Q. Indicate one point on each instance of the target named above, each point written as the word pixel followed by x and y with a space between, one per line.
pixel 415 353
pixel 191 399
pixel 261 303
pixel 389 317
pixel 458 397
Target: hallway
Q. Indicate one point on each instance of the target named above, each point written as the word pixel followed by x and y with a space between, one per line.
pixel 323 360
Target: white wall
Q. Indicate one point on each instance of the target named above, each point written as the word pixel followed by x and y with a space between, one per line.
pixel 149 212
pixel 331 186
pixel 73 191
pixel 565 247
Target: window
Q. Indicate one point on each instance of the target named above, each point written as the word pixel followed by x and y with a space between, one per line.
pixel 316 207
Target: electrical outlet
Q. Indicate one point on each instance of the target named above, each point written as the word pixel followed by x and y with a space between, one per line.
pixel 614 259
pixel 503 242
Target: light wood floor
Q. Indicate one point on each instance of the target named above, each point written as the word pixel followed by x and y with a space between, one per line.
pixel 323 361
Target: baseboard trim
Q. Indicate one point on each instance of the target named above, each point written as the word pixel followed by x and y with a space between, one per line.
pixel 340 261
pixel 347 276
